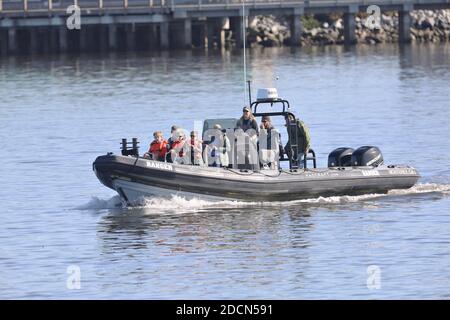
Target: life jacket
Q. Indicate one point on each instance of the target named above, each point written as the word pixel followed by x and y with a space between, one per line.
pixel 159 149
pixel 178 145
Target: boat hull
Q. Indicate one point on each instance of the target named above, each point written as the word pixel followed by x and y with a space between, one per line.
pixel 135 177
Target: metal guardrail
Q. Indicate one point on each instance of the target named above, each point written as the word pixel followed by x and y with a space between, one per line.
pixel 62 5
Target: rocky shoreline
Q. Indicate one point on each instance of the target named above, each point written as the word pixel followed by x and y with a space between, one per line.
pixel 427 26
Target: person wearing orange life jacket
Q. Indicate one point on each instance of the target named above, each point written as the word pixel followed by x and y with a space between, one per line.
pixel 158 147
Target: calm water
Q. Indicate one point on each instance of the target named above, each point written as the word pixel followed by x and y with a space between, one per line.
pixel 58 114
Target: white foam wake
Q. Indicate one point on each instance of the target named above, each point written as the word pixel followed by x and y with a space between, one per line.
pixel 178 202
pixel 96 203
pixel 420 188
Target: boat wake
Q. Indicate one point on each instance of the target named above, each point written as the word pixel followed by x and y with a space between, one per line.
pixel 97 204
pixel 180 203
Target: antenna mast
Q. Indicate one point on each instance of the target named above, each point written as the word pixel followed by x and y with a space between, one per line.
pixel 244 47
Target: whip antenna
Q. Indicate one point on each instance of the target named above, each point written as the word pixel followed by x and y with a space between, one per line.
pixel 244 47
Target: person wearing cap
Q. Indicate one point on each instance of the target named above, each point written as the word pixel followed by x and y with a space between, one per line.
pixel 266 123
pixel 302 144
pixel 246 144
pixel 171 140
pixel 247 121
pixel 270 147
pixel 196 146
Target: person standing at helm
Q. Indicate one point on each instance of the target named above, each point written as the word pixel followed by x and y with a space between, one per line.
pixel 247 121
pixel 270 147
pixel 266 123
pixel 246 137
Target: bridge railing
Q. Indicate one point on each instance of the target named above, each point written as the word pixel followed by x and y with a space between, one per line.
pixel 59 5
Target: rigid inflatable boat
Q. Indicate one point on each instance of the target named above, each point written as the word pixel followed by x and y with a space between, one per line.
pixel 349 171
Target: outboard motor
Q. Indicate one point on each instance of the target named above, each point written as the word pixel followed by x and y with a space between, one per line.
pixel 367 156
pixel 340 157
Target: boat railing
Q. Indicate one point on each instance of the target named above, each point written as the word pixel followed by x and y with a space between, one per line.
pixel 284 103
pixel 133 151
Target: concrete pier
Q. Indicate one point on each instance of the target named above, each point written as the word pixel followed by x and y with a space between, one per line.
pixel 112 37
pixel 181 32
pixel 216 31
pixel 34 41
pixel 164 35
pixel 12 40
pixel 103 35
pixel 349 28
pixel 84 39
pixel 53 39
pixel 237 26
pixel 3 43
pixel 199 33
pixel 296 30
pixel 122 25
pixel 62 34
pixel 187 33
pixel 203 34
pixel 404 25
pixel 153 37
pixel 130 34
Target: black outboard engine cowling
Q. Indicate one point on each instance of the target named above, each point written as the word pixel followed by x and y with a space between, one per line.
pixel 367 156
pixel 340 157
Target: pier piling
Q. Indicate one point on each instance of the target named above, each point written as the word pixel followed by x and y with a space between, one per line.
pixel 164 35
pixel 12 40
pixel 296 27
pixel 404 24
pixel 112 37
pixel 350 26
pixel 187 33
pixel 62 33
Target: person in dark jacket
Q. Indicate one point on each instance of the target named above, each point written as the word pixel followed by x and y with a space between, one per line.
pixel 297 153
pixel 247 149
pixel 269 156
pixel 247 121
pixel 171 140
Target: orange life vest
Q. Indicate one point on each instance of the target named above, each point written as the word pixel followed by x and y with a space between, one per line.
pixel 159 149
